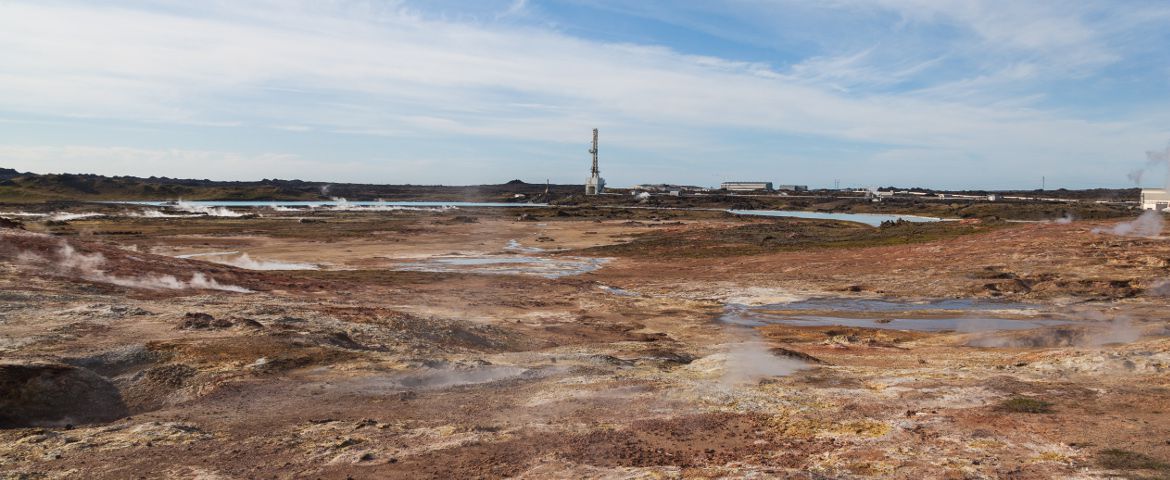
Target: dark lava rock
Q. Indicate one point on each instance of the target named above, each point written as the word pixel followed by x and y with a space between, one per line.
pixel 51 394
pixel 202 321
pixel 249 323
pixel 8 223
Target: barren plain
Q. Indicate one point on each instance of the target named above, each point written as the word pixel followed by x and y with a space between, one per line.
pixel 578 342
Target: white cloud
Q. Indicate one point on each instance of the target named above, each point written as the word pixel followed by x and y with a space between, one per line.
pixel 312 67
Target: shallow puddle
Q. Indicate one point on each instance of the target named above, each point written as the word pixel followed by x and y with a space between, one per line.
pixel 885 305
pixel 553 267
pixel 954 315
pixel 950 324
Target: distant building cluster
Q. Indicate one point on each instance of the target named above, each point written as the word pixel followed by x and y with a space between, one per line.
pixel 746 186
pixel 760 187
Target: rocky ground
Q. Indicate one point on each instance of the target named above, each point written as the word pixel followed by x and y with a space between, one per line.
pixel 579 343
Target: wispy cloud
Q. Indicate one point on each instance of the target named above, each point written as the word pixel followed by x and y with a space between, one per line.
pixel 393 71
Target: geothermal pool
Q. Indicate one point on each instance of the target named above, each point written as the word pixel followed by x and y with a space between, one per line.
pixel 964 315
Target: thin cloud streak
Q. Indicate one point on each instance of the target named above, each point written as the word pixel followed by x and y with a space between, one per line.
pixel 313 69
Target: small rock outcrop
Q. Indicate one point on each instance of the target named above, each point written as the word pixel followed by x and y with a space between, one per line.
pixel 52 394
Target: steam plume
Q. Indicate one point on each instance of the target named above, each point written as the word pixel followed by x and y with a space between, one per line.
pixel 90 267
pixel 246 262
pixel 1149 224
pixel 1153 159
pixel 751 362
pixel 206 210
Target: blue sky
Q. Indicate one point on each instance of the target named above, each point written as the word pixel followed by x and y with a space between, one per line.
pixel 948 94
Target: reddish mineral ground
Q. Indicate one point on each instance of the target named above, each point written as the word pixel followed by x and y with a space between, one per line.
pixel 577 342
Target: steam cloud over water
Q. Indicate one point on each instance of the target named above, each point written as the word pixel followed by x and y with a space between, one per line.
pixel 90 267
pixel 1097 329
pixel 206 210
pixel 160 214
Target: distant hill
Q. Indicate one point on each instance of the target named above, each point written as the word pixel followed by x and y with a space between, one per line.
pixel 17 187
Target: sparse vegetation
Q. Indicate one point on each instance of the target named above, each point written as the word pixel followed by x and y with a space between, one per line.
pixel 785 234
pixel 1025 405
pixel 1118 459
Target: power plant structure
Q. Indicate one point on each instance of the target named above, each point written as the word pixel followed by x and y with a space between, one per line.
pixel 596 184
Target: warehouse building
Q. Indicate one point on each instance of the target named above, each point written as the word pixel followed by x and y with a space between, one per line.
pixel 1157 199
pixel 746 186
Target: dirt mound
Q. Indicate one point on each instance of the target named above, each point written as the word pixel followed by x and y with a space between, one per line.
pixel 36 394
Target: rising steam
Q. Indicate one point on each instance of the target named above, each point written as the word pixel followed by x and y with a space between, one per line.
pixel 1153 159
pixel 751 362
pixel 91 267
pixel 246 262
pixel 206 210
pixel 1149 225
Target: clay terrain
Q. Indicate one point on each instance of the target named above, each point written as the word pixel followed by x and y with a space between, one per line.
pixel 578 342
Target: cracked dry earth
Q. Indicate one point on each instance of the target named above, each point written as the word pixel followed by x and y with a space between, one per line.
pixel 649 367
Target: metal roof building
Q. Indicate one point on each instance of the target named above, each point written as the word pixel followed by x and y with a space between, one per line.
pixel 746 186
pixel 1157 199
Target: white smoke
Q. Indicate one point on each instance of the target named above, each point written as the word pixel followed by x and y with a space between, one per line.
pixel 751 362
pixel 206 210
pixel 55 216
pixel 1149 225
pixel 246 262
pixel 1065 220
pixel 344 205
pixel 67 216
pixel 90 267
pixel 149 213
pixel 1094 329
pixel 1153 159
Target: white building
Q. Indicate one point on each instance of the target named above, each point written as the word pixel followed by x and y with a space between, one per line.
pixel 1157 199
pixel 746 186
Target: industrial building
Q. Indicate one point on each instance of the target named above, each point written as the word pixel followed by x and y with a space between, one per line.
pixel 1157 199
pixel 595 185
pixel 793 188
pixel 746 186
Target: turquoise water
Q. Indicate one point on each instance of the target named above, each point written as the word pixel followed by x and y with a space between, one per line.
pixel 872 219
